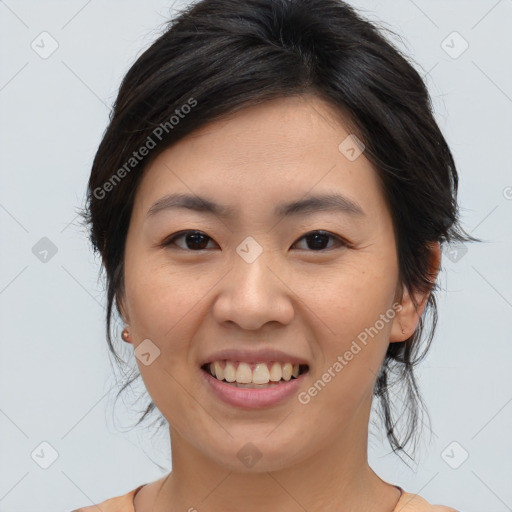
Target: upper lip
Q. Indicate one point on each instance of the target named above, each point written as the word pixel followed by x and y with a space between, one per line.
pixel 253 356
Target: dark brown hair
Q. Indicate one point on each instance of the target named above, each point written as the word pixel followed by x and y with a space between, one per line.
pixel 220 56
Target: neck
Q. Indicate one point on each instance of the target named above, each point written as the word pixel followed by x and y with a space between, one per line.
pixel 335 478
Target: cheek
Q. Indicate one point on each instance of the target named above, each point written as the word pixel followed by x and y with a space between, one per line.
pixel 349 304
pixel 159 296
pixel 351 297
pixel 161 303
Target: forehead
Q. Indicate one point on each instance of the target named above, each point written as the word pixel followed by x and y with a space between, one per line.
pixel 285 148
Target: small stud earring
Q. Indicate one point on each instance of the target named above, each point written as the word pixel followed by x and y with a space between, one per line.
pixel 125 335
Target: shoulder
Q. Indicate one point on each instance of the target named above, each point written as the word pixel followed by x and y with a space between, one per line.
pixel 122 503
pixel 415 503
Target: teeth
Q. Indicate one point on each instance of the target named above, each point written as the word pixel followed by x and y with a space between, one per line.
pixel 219 372
pixel 229 372
pixel 275 372
pixel 287 371
pixel 243 374
pixel 262 373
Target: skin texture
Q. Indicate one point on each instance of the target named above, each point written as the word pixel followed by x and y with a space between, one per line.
pixel 306 301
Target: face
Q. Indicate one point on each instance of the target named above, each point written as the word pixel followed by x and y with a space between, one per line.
pixel 319 284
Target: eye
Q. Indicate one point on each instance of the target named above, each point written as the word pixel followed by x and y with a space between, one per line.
pixel 318 240
pixel 194 240
pixel 198 241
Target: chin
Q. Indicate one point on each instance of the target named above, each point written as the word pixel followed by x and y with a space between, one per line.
pixel 255 454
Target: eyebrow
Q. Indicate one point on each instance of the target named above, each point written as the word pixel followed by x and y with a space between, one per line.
pixel 324 202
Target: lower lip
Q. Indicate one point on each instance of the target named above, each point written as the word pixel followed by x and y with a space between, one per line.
pixel 249 398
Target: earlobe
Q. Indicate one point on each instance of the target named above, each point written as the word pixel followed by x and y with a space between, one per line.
pixel 126 335
pixel 407 318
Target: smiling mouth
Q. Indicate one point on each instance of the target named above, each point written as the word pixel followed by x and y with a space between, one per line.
pixel 256 376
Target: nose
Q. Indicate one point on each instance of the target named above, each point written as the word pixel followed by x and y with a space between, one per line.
pixel 255 293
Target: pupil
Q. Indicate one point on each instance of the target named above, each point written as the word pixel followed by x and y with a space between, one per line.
pixel 194 237
pixel 318 238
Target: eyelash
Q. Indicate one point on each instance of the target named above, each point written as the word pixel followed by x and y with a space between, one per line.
pixel 170 240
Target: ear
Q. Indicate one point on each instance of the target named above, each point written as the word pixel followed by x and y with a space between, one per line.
pixel 407 318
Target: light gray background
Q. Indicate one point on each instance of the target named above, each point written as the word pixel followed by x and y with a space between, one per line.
pixel 57 385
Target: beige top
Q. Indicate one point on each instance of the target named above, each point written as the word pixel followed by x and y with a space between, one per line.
pixel 408 503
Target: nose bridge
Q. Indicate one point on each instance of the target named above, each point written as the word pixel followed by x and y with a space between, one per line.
pixel 253 295
pixel 251 266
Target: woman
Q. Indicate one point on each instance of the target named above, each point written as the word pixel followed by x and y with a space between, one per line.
pixel 269 202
